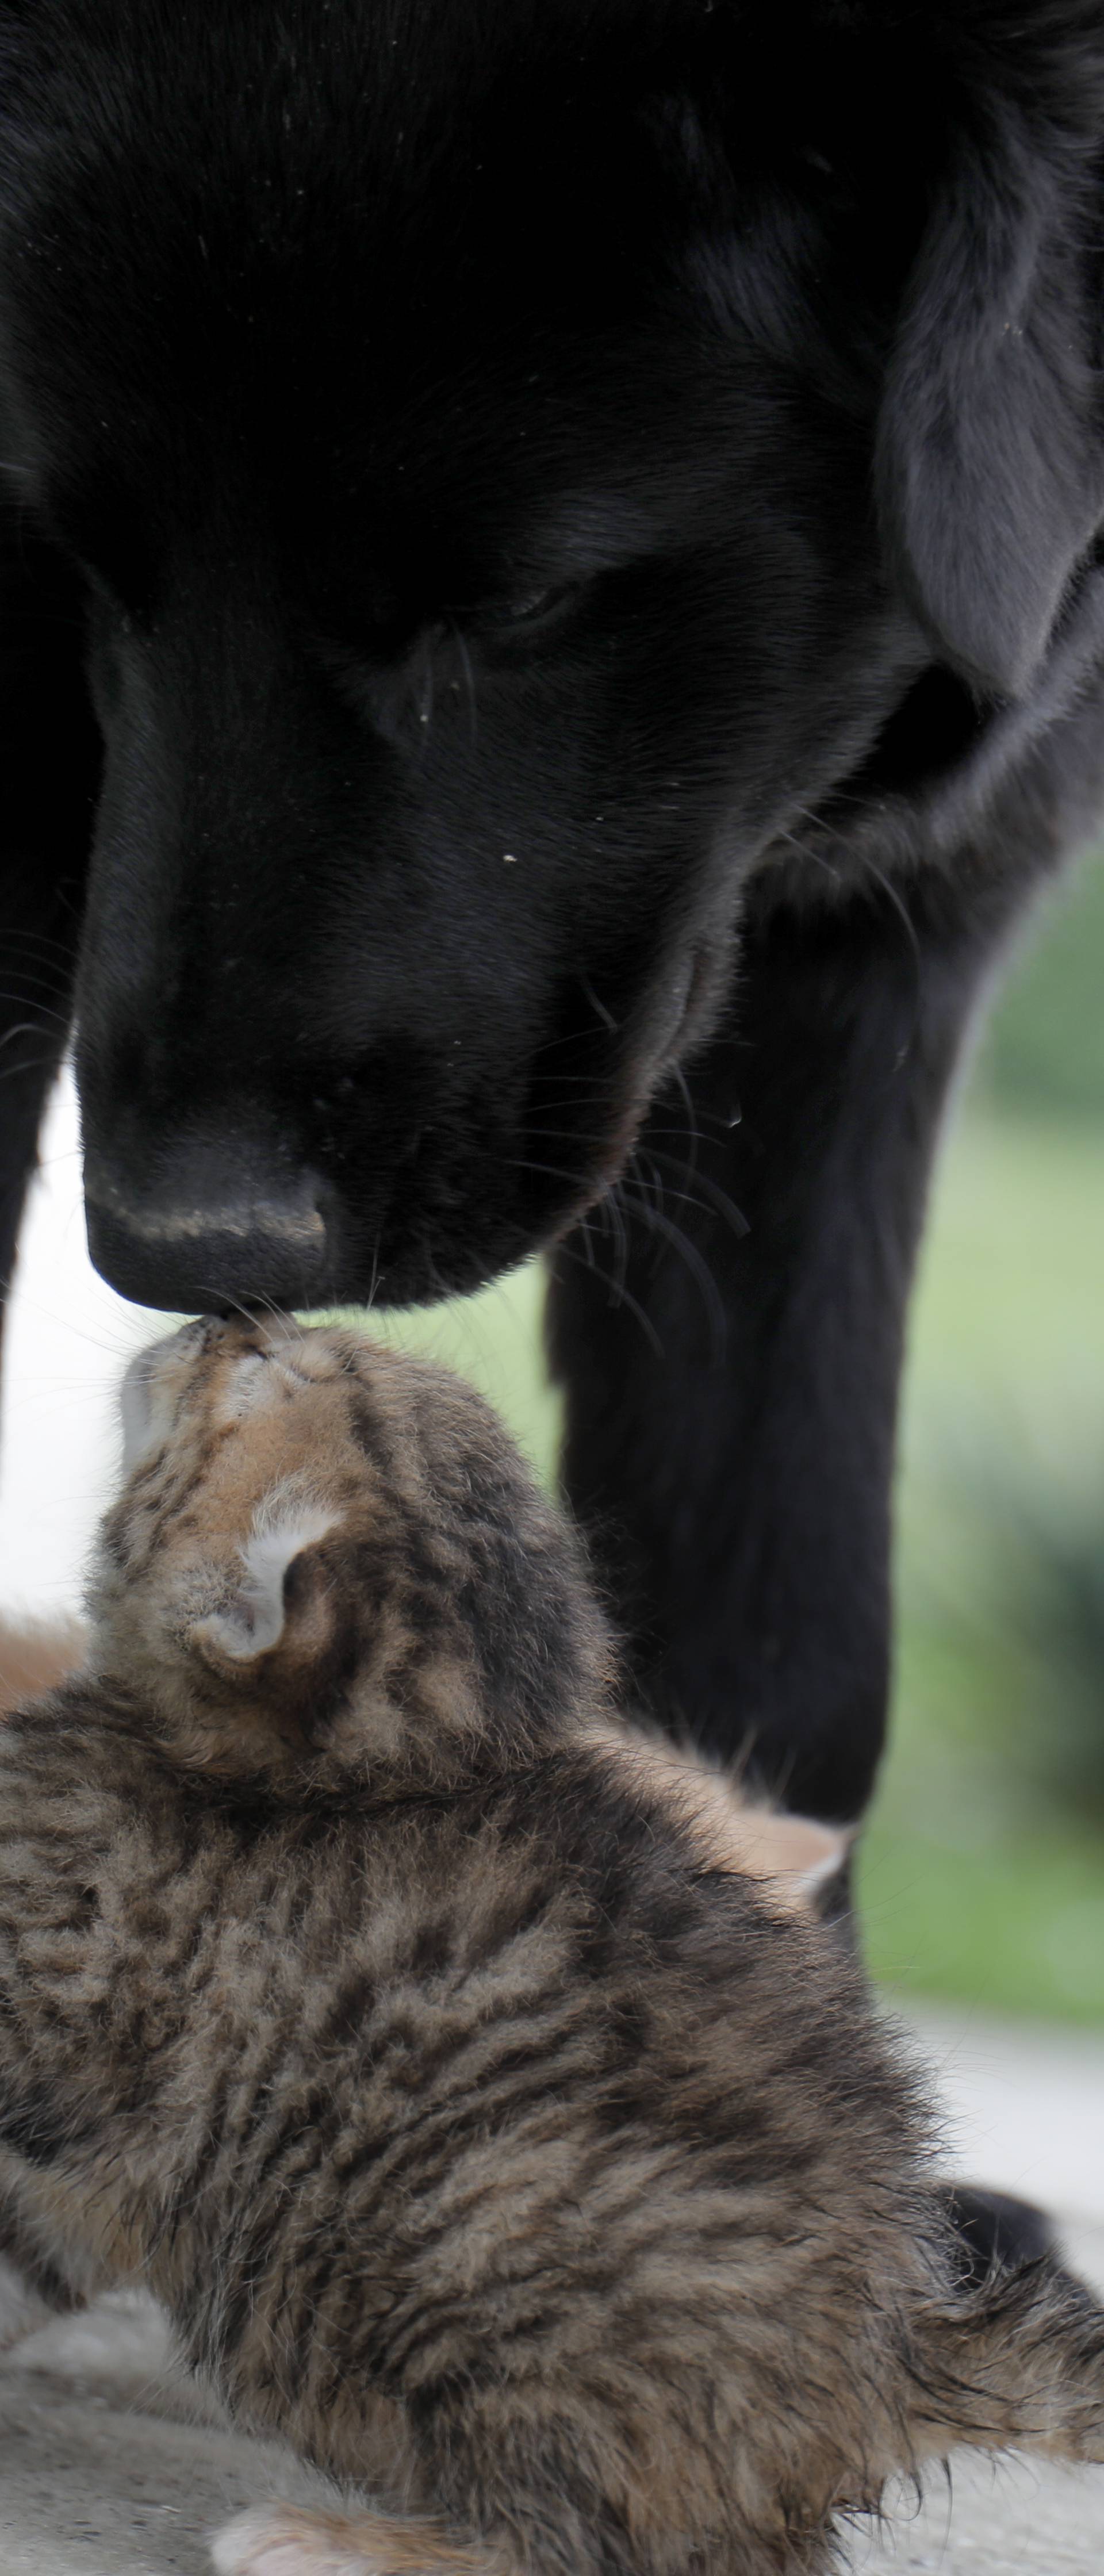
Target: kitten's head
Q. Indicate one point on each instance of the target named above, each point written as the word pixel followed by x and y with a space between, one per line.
pixel 328 1558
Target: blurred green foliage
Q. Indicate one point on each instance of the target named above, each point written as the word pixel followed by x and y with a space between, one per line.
pixel 1044 1050
pixel 982 1874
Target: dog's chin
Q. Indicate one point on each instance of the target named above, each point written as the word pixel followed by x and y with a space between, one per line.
pixel 468 1250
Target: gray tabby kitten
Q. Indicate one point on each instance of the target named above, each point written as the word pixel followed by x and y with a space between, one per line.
pixel 463 2075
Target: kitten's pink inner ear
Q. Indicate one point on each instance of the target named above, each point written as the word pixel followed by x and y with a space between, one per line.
pixel 257 1616
pixel 801 1855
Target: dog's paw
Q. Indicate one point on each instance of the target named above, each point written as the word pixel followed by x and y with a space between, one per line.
pixel 286 2540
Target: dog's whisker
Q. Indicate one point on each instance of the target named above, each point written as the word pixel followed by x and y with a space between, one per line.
pixel 620 1294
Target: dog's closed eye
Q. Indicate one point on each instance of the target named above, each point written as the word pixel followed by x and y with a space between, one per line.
pixel 530 610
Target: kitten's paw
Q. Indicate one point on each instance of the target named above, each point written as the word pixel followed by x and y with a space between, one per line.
pixel 285 2540
pixel 21 2309
pixel 293 2540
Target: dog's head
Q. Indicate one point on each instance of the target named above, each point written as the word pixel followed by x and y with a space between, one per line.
pixel 466 424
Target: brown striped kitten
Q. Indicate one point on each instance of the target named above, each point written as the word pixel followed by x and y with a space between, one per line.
pixel 468 2078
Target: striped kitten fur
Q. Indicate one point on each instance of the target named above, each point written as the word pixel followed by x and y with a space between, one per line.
pixel 469 2080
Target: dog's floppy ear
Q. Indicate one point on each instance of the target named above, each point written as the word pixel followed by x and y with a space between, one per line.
pixel 991 455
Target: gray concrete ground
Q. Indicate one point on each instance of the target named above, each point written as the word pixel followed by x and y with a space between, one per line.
pixel 1024 2111
pixel 109 2467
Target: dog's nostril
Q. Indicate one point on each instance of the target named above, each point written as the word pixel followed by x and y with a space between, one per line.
pixel 227 1233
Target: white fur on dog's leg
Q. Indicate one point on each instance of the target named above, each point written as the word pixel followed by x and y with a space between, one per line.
pixel 283 2540
pixel 22 2312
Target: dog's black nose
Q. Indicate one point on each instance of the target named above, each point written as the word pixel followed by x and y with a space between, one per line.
pixel 214 1229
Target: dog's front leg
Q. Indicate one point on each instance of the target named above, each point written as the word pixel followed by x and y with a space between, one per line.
pixel 49 761
pixel 731 1418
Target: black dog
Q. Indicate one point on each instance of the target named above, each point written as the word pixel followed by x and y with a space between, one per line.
pixel 542 544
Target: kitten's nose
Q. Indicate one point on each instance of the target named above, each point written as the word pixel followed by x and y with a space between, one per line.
pixel 217 1228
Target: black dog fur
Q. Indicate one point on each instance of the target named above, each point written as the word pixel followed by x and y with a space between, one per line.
pixel 551 617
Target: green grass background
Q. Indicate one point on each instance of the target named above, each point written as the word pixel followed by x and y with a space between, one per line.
pixel 982 1873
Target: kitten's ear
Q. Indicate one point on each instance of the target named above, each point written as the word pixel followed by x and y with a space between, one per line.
pixel 799 1858
pixel 284 1603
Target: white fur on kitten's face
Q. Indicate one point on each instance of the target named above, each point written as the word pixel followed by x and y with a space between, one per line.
pixel 285 1521
pixel 253 1420
pixel 147 1397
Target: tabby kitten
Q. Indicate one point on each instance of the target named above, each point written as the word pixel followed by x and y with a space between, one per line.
pixel 461 2074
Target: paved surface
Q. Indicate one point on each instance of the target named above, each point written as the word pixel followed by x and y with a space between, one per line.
pixel 1015 2517
pixel 109 2467
pixel 1025 2111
